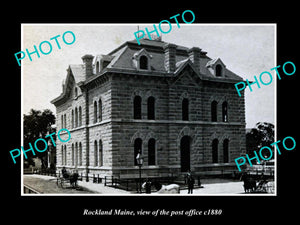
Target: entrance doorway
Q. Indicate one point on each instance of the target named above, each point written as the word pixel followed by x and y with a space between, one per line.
pixel 185 154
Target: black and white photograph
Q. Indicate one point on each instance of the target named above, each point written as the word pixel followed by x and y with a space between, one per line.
pixel 158 114
pixel 149 115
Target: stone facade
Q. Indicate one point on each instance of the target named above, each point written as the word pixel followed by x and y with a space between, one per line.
pixel 175 105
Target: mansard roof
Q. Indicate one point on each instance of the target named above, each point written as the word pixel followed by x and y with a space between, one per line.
pixel 121 60
pixel 127 50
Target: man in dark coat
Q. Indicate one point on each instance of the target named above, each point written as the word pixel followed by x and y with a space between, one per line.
pixel 190 183
pixel 65 173
pixel 148 187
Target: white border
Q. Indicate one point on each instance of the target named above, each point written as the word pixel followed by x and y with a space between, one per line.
pixel 118 24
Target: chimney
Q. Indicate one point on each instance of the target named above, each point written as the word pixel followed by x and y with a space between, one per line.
pixel 194 56
pixel 170 57
pixel 88 64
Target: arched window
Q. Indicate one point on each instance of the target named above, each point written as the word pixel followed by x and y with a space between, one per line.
pixel 65 121
pixel 218 70
pixel 137 107
pixel 62 155
pixel 100 110
pixel 185 109
pixel 143 62
pixel 151 108
pixel 65 155
pixel 97 67
pixel 225 151
pixel 72 118
pixel 80 116
pixel 76 154
pixel 95 154
pixel 224 112
pixel 76 117
pixel 214 105
pixel 76 92
pixel 137 149
pixel 215 144
pixel 95 112
pixel 100 153
pixel 72 154
pixel 80 154
pixel 87 153
pixel 151 151
pixel 185 153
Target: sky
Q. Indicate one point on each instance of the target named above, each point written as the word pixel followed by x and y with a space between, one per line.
pixel 245 49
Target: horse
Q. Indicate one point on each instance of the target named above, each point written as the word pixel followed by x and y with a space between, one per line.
pixel 73 177
pixel 166 189
pixel 249 183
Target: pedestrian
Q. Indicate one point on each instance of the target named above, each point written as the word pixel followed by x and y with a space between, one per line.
pixel 148 186
pixel 190 183
pixel 187 176
pixel 65 173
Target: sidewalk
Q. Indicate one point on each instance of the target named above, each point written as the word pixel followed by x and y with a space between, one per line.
pixel 101 189
pixel 228 188
pixel 47 185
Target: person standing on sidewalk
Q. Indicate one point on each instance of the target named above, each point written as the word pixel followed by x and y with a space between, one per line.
pixel 190 182
pixel 148 186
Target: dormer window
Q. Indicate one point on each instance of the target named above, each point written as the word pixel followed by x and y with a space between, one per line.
pixel 97 67
pixel 102 61
pixel 76 92
pixel 143 62
pixel 218 70
pixel 216 67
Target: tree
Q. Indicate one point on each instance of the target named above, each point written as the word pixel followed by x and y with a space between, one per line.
pixel 262 135
pixel 37 125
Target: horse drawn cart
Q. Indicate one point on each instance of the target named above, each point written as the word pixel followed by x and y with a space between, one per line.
pixel 261 185
pixel 67 178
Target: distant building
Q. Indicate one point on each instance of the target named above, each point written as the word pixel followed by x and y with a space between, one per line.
pixel 174 104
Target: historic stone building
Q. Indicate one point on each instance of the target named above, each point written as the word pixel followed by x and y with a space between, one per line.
pixel 174 104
